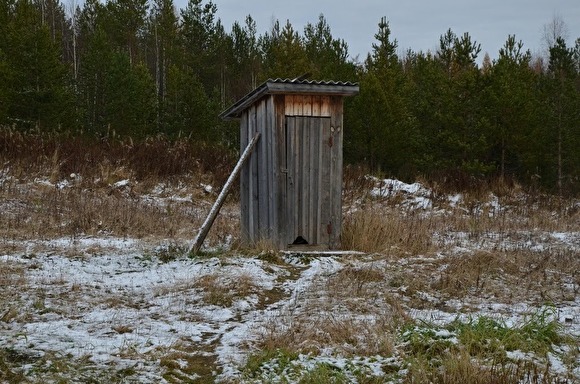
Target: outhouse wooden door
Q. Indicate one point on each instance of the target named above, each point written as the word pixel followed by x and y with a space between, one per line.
pixel 308 179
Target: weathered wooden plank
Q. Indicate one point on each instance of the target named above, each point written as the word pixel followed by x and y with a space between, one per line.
pixel 273 167
pixel 325 179
pixel 305 177
pixel 319 187
pixel 313 179
pixel 307 105
pixel 262 175
pixel 299 179
pixel 282 180
pixel 325 106
pixel 289 105
pixel 298 105
pixel 336 172
pixel 274 88
pixel 316 105
pixel 252 181
pixel 291 221
pixel 244 180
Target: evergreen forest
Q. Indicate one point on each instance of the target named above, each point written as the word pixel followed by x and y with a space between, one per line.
pixel 143 68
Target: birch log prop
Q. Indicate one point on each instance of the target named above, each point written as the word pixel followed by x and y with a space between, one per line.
pixel 203 231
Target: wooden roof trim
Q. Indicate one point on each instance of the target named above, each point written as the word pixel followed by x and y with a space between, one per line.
pixel 286 86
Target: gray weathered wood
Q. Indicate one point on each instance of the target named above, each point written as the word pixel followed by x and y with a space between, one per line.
pixel 316 105
pixel 206 226
pixel 292 180
pixel 293 184
pixel 273 167
pixel 305 177
pixel 274 87
pixel 282 164
pixel 312 180
pixel 336 172
pixel 262 169
pixel 325 202
pixel 244 180
pixel 253 180
pixel 319 144
pixel 305 150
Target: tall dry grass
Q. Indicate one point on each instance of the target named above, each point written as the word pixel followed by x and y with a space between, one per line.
pixel 58 155
pixel 378 229
pixel 55 185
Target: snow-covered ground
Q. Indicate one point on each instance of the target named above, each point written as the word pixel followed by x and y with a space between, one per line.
pixel 142 311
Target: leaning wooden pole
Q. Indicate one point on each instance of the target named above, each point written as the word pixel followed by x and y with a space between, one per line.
pixel 203 231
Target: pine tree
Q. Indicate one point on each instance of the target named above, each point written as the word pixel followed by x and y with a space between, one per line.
pixel 511 108
pixel 198 28
pixel 162 53
pixel 284 53
pixel 126 20
pixel 328 56
pixel 383 132
pixel 246 65
pixel 565 107
pixel 37 93
pixel 458 141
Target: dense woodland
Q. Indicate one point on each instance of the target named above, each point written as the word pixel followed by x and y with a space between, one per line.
pixel 138 68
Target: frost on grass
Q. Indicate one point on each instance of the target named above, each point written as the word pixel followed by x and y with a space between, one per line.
pixel 456 285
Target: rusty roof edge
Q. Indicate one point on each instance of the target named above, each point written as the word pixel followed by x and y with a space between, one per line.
pixel 279 85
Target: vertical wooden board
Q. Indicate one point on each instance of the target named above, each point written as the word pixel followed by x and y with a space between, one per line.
pixel 244 175
pixel 336 171
pixel 319 193
pixel 325 181
pixel 305 176
pixel 262 192
pixel 325 106
pixel 293 105
pixel 298 105
pixel 298 178
pixel 282 180
pixel 273 167
pixel 307 105
pixel 289 104
pixel 292 179
pixel 253 176
pixel 313 180
pixel 315 105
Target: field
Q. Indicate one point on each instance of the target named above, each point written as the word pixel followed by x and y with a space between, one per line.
pixel 479 286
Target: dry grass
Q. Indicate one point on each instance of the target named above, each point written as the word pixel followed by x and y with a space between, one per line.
pixel 71 212
pixel 461 368
pixel 346 335
pixel 378 230
pixel 30 154
pixel 487 249
pixel 348 312
pixel 223 290
pixel 54 186
pixel 511 276
pixel 12 283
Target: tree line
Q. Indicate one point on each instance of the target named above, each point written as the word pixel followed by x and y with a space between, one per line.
pixel 136 68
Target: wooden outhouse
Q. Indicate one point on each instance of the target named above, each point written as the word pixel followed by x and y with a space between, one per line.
pixel 291 185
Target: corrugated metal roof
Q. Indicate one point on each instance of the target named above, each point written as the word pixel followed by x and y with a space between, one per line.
pixel 290 86
pixel 310 82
